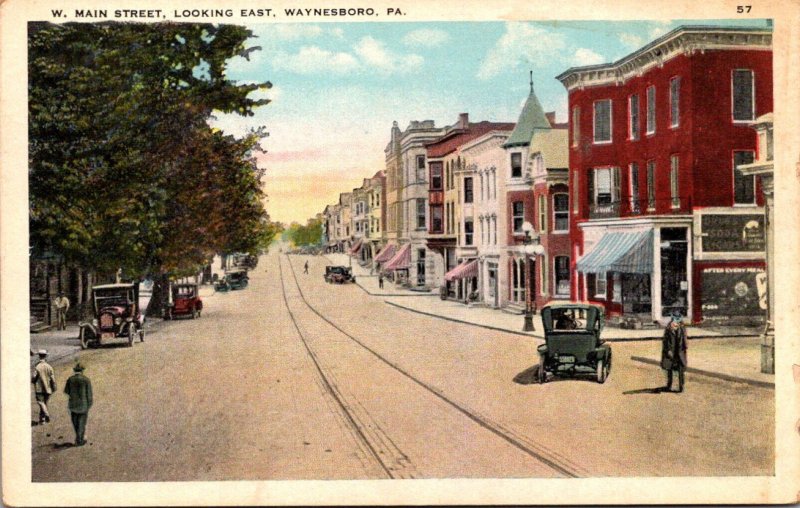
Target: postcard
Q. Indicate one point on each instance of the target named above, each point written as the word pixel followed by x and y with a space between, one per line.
pixel 399 253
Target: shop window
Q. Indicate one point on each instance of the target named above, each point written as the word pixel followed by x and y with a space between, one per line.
pixel 743 95
pixel 743 185
pixel 602 121
pixel 562 275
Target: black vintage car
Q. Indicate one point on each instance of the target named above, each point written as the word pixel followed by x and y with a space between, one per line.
pixel 339 274
pixel 235 279
pixel 116 315
pixel 572 341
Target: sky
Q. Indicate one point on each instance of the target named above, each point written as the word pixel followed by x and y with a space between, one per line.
pixel 337 88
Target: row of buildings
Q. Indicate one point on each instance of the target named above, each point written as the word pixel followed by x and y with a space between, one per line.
pixel 637 203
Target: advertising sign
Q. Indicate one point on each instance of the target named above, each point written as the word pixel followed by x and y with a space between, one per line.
pixel 734 294
pixel 733 233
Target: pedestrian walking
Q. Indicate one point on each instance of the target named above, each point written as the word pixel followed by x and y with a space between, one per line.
pixel 673 350
pixel 44 385
pixel 79 389
pixel 62 306
pixel 380 280
pixel 305 267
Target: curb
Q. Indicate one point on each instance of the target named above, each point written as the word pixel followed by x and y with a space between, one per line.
pixel 708 373
pixel 488 327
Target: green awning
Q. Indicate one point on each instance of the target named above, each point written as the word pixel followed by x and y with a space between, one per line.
pixel 624 252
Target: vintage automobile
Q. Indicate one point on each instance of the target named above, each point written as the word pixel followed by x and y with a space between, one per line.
pixel 338 274
pixel 116 314
pixel 234 279
pixel 572 341
pixel 186 301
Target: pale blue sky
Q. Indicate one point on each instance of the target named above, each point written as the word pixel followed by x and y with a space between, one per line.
pixel 339 86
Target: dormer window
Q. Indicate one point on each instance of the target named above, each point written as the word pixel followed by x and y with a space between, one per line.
pixel 516 165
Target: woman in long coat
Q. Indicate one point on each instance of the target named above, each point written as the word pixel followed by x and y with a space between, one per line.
pixel 673 350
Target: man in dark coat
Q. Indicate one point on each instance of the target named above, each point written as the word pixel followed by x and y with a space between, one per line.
pixel 79 389
pixel 673 350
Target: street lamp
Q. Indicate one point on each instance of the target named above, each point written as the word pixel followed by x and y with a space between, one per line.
pixel 532 248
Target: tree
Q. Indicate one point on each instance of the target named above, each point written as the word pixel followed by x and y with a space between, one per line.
pixel 310 234
pixel 124 169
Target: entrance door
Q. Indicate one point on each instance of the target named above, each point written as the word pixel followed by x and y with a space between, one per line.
pixel 493 296
pixel 674 281
pixel 420 267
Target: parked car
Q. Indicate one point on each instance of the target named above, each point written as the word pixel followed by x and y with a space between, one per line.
pixel 338 274
pixel 116 314
pixel 235 279
pixel 186 301
pixel 572 341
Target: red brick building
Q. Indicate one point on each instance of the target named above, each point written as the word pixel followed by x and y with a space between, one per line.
pixel 661 219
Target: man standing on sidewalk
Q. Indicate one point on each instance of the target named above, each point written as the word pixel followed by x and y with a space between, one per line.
pixel 79 389
pixel 44 382
pixel 380 280
pixel 673 350
pixel 62 306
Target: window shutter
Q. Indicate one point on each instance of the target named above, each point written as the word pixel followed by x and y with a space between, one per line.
pixel 615 197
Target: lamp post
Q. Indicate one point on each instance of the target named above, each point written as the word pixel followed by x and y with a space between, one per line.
pixel 532 248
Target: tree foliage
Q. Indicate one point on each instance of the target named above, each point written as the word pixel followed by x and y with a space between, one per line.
pixel 124 169
pixel 299 235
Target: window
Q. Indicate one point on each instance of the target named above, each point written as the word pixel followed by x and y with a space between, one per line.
pixel 516 165
pixel 602 121
pixel 543 214
pixel 575 191
pixel 420 168
pixel 518 214
pixel 436 176
pixel 436 219
pixel 743 96
pixel 633 117
pixel 482 193
pixel 561 272
pixel 673 181
pixel 600 285
pixel 468 189
pixel 651 185
pixel 606 186
pixel 544 276
pixel 743 186
pixel 674 101
pixel 633 179
pixel 561 212
pixel 468 230
pixel 651 110
pixel 576 123
pixel 420 213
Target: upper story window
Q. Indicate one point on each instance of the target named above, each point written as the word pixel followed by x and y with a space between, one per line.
pixel 436 176
pixel 516 165
pixel 651 185
pixel 743 186
pixel 468 197
pixel 743 95
pixel 674 167
pixel 560 212
pixel 468 231
pixel 651 109
pixel 420 213
pixel 576 125
pixel 542 214
pixel 674 101
pixel 420 168
pixel 633 181
pixel 436 219
pixel 602 121
pixel 606 186
pixel 518 215
pixel 633 117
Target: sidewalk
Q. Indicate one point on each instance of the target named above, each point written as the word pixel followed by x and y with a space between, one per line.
pixel 733 355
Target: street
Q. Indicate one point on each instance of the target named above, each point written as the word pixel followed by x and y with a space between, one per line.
pixel 293 378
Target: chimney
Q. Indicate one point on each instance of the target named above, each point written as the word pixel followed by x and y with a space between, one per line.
pixel 463 120
pixel 551 117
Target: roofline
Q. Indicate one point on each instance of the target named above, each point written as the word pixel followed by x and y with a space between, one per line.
pixel 664 38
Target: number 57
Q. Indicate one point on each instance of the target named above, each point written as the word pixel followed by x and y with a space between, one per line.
pixel 743 8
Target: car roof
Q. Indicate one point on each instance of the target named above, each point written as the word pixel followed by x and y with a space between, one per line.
pixel 572 305
pixel 114 286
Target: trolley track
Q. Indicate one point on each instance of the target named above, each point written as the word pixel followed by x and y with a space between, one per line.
pixel 543 455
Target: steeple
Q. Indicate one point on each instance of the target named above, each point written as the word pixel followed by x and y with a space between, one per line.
pixel 532 117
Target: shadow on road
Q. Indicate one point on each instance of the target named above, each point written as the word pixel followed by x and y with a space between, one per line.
pixel 528 376
pixel 644 391
pixel 61 446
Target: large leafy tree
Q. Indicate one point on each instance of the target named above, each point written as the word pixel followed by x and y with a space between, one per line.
pixel 124 169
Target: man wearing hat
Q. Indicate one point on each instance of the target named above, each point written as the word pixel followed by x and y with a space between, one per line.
pixel 44 382
pixel 673 350
pixel 62 306
pixel 79 389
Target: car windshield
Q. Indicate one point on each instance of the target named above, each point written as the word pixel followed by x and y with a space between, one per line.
pixel 569 319
pixel 108 298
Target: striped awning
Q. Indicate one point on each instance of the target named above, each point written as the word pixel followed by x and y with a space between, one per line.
pixel 466 270
pixel 385 254
pixel 401 260
pixel 624 252
pixel 357 247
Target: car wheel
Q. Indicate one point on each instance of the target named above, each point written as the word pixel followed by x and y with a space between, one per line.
pixel 542 375
pixel 131 333
pixel 84 337
pixel 141 335
pixel 602 371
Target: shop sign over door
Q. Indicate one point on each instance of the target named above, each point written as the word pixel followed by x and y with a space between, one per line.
pixel 733 233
